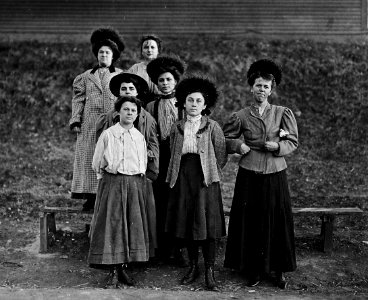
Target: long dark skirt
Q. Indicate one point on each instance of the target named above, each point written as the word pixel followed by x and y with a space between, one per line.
pixel 194 211
pixel 261 229
pixel 120 226
pixel 161 193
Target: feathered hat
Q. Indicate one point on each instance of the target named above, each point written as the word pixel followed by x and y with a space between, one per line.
pixel 163 64
pixel 197 83
pixel 139 83
pixel 107 37
pixel 264 66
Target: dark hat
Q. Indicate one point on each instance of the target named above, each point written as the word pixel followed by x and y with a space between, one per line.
pixel 163 64
pixel 264 66
pixel 107 37
pixel 139 83
pixel 197 83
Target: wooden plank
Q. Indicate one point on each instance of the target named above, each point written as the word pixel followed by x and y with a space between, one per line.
pixel 327 227
pixel 327 210
pixel 65 209
pixel 43 233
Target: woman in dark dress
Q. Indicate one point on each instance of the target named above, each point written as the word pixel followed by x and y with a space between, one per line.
pixel 261 235
pixel 165 72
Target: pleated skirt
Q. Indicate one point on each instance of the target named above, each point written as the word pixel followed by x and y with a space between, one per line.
pixel 194 211
pixel 261 229
pixel 123 224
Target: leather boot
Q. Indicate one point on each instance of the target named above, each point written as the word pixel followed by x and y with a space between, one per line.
pixel 209 278
pixel 123 277
pixel 280 281
pixel 111 279
pixel 192 274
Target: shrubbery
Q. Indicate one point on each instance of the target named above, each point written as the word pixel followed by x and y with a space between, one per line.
pixel 324 83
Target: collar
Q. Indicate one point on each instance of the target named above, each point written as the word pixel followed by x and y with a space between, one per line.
pixel 117 130
pixel 168 96
pixel 111 69
pixel 194 119
pixel 255 110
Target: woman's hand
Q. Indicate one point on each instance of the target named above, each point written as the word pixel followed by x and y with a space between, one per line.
pixel 272 146
pixel 244 149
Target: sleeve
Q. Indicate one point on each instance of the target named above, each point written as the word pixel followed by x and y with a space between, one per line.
pixel 232 131
pixel 219 145
pixel 290 142
pixel 78 100
pixel 98 161
pixel 153 152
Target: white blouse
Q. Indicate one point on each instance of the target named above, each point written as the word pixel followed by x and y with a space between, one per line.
pixel 119 150
pixel 191 127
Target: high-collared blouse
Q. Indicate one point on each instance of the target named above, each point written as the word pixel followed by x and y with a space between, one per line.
pixel 191 127
pixel 211 149
pixel 120 150
pixel 256 130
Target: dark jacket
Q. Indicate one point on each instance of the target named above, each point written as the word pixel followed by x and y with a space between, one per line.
pixel 256 130
pixel 211 148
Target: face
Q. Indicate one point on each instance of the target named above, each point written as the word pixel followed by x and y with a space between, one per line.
pixel 149 50
pixel 194 104
pixel 104 56
pixel 166 83
pixel 128 113
pixel 128 89
pixel 261 89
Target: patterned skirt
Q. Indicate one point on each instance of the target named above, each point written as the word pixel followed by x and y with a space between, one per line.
pixel 195 212
pixel 261 229
pixel 121 228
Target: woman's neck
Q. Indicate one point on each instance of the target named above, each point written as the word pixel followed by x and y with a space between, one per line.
pixel 126 126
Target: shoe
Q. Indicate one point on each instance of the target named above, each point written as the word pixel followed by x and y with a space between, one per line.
pixel 123 277
pixel 280 281
pixel 179 259
pixel 253 281
pixel 192 274
pixel 209 278
pixel 110 280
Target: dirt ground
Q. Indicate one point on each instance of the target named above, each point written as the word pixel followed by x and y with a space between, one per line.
pixel 63 273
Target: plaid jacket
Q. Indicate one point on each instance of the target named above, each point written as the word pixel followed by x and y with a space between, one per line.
pixel 211 149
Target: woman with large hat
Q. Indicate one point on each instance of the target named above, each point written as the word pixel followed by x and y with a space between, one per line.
pixel 198 153
pixel 133 85
pixel 92 97
pixel 165 72
pixel 260 240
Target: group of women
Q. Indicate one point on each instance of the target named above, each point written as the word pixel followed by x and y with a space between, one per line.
pixel 148 160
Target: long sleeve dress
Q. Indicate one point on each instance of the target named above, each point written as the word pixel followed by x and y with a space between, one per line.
pixel 91 97
pixel 261 233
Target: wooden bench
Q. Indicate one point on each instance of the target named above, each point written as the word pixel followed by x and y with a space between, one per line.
pixel 47 222
pixel 327 216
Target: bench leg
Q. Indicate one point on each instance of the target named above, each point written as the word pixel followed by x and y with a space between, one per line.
pixel 51 222
pixel 43 232
pixel 327 233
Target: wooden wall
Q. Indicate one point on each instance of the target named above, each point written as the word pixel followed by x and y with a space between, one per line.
pixel 185 16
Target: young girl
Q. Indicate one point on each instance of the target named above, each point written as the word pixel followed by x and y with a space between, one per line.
pixel 198 153
pixel 119 229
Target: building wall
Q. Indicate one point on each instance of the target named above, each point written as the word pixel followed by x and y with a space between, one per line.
pixel 185 16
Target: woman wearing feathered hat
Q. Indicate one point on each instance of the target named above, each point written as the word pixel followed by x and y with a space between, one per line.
pixel 150 46
pixel 261 236
pixel 92 97
pixel 198 153
pixel 165 72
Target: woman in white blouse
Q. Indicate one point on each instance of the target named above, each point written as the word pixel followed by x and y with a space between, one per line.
pixel 119 230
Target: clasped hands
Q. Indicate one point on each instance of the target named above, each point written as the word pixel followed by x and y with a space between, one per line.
pixel 269 146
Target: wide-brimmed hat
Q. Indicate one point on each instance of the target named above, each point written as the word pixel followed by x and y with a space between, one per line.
pixel 197 83
pixel 264 66
pixel 139 83
pixel 163 64
pixel 107 37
